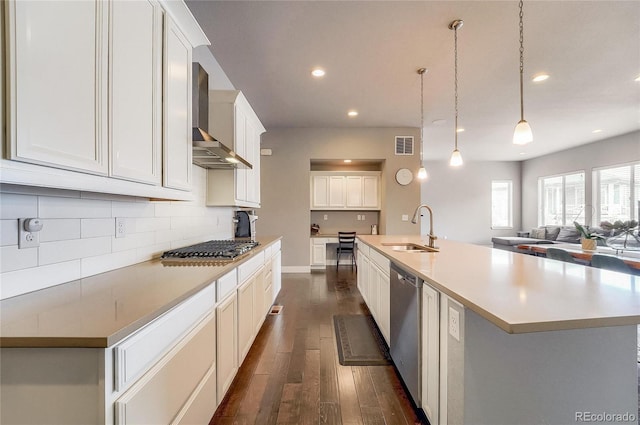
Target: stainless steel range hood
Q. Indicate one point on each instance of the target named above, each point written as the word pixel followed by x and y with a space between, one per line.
pixel 207 151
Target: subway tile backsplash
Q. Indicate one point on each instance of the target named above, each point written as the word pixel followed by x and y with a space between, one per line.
pixel 78 237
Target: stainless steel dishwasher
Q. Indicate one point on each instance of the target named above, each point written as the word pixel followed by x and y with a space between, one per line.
pixel 406 306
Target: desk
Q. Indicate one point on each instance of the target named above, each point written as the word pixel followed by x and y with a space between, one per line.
pixel 632 260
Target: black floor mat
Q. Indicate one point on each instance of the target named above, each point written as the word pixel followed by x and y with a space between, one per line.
pixel 359 341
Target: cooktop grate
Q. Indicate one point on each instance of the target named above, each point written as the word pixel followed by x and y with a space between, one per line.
pixel 215 251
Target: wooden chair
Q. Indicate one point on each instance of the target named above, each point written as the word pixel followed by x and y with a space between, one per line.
pixel 609 263
pixel 346 245
pixel 560 254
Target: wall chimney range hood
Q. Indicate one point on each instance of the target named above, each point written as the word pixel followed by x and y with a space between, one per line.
pixel 207 151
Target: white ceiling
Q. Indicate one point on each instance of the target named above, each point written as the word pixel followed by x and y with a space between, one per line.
pixel 371 51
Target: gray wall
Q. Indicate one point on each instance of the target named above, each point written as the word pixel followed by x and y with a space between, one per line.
pixel 607 152
pixel 285 181
pixel 461 199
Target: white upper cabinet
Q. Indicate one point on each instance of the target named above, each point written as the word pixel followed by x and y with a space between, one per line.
pixel 135 70
pixel 99 92
pixel 57 83
pixel 177 109
pixel 358 190
pixel 233 122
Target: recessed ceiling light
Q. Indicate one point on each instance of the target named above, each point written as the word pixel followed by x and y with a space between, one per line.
pixel 347 161
pixel 597 131
pixel 540 77
pixel 352 113
pixel 638 78
pixel 318 72
pixel 522 153
pixel 460 130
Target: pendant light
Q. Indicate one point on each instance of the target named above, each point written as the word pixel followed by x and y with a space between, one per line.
pixel 456 157
pixel 522 134
pixel 422 172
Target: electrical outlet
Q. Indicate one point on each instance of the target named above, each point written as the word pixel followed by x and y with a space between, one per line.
pixel 454 323
pixel 363 218
pixel 121 227
pixel 27 239
pixel 326 217
pixel 405 217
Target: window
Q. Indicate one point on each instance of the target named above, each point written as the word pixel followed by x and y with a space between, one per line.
pixel 561 199
pixel 501 204
pixel 616 192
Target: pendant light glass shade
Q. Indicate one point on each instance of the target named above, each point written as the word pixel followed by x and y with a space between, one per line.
pixel 456 159
pixel 422 173
pixel 522 134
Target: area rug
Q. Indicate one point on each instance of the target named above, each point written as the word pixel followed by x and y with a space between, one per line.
pixel 359 341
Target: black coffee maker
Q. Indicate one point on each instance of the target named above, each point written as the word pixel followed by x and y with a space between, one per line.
pixel 245 225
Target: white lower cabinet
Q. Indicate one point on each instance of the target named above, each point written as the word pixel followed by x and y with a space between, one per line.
pixel 246 324
pixel 162 393
pixel 374 285
pixel 276 272
pixel 430 352
pixel 227 346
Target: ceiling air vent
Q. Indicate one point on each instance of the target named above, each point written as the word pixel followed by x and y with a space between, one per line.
pixel 404 145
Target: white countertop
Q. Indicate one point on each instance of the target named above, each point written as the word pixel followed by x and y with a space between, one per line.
pixel 517 292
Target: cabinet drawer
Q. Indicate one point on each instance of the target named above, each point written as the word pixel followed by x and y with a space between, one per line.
pixel 276 247
pixel 380 260
pixel 161 394
pixel 139 352
pixel 226 284
pixel 267 254
pixel 362 248
pixel 248 268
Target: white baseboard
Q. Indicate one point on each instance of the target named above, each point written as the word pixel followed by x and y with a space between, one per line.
pixel 296 269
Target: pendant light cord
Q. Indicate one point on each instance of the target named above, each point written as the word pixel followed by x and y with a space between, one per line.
pixel 521 62
pixel 455 67
pixel 421 71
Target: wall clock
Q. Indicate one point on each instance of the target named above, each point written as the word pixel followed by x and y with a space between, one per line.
pixel 404 176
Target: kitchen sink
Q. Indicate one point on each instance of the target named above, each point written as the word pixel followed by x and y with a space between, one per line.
pixel 410 247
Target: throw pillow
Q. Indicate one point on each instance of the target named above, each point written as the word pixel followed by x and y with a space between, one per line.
pixel 568 234
pixel 538 233
pixel 552 233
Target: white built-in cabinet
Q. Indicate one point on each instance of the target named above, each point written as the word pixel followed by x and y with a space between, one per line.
pixel 233 122
pixel 430 352
pixel 345 190
pixel 227 349
pixel 374 285
pixel 135 90
pixel 99 96
pixel 177 143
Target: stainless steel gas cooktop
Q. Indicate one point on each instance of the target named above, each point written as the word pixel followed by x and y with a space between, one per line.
pixel 214 252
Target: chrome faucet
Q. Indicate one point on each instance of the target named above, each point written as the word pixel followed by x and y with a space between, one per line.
pixel 431 236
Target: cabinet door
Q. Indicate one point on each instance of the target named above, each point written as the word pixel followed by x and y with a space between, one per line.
pixel 320 192
pixel 135 107
pixel 384 303
pixel 370 192
pixel 245 317
pixel 365 270
pixel 374 291
pixel 240 146
pixel 430 352
pixel 276 272
pixel 57 80
pixel 354 191
pixel 227 344
pixel 336 191
pixel 177 144
pixel 318 252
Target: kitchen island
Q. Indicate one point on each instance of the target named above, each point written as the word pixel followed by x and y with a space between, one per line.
pixel 538 340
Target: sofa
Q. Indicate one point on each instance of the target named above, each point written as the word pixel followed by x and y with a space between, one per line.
pixel 542 235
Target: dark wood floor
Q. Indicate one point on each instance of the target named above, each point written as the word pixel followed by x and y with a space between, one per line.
pixel 292 374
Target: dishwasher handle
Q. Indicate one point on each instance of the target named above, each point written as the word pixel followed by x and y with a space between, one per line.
pixel 406 278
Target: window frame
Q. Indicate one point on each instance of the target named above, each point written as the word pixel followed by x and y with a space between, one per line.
pixel 634 201
pixel 563 191
pixel 509 205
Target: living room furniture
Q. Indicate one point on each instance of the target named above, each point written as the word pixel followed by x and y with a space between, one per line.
pixel 560 254
pixel 610 263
